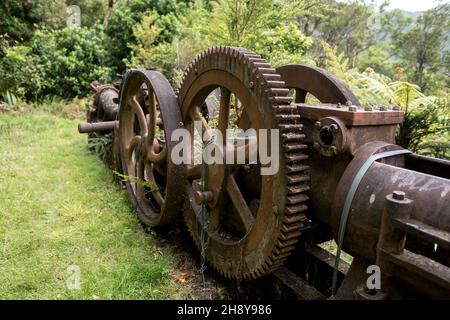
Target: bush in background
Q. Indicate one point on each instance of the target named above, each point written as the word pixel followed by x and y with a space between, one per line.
pixel 55 63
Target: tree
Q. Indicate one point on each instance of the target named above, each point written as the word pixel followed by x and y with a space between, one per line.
pixel 267 27
pixel 423 49
pixel 19 19
pixel 348 26
pixel 126 14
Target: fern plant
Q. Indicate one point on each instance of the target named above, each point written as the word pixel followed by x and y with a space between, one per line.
pixel 10 98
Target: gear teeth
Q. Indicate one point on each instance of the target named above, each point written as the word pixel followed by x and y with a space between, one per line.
pixel 291 234
pixel 291 209
pixel 297 178
pixel 276 84
pixel 297 168
pixel 291 127
pixel 297 189
pixel 281 99
pixel 296 157
pixel 279 251
pixel 257 60
pixel 287 109
pixel 267 70
pixel 271 76
pixel 279 91
pixel 287 243
pixel 290 147
pixel 287 117
pixel 299 198
pixel 288 137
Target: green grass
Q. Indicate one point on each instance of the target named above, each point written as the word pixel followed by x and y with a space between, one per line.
pixel 59 207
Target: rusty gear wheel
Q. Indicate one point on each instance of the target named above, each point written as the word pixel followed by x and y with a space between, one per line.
pixel 248 223
pixel 153 182
pixel 321 84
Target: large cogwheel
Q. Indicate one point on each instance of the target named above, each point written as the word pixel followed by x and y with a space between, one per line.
pixel 245 223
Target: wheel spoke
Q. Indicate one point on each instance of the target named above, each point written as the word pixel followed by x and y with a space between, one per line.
pixel 197 116
pixel 152 119
pixel 159 157
pixel 194 171
pixel 132 146
pixel 239 203
pixel 224 111
pixel 136 107
pixel 244 121
pixel 214 220
pixel 154 189
pixel 250 148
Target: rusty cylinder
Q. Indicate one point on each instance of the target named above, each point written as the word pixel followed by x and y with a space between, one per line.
pixel 96 126
pixel 431 196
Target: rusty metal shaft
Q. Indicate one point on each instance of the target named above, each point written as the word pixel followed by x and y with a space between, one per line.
pixel 96 126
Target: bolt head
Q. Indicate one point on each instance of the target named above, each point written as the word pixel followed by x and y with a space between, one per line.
pixel 339 105
pixel 383 108
pixel 334 128
pixel 348 103
pixel 202 197
pixel 318 124
pixel 396 108
pixel 333 149
pixel 368 108
pixel 398 195
pixel 352 109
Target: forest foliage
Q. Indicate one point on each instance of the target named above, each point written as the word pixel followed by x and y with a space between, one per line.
pixel 385 57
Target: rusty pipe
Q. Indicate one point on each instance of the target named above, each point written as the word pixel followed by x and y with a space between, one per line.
pixel 96 126
pixel 431 196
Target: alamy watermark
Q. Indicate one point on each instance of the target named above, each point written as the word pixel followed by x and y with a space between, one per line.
pixel 73 281
pixel 374 280
pixel 73 19
pixel 238 147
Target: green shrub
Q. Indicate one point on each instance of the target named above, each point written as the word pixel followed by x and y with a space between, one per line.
pixel 22 76
pixel 55 63
pixel 128 13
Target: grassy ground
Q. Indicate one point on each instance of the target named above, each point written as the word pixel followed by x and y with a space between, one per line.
pixel 60 211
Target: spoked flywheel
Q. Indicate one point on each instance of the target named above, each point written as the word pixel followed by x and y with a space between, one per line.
pixel 245 223
pixel 149 113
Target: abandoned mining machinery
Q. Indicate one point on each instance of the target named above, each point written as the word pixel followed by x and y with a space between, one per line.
pixel 341 176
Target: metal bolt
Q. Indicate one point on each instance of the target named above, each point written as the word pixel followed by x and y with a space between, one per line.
pixel 398 195
pixel 368 108
pixel 339 105
pixel 348 103
pixel 352 109
pixel 333 149
pixel 316 145
pixel 383 108
pixel 202 197
pixel 334 127
pixel 318 124
pixel 396 108
pixel 251 84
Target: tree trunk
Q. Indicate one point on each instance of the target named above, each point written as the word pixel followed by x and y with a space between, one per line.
pixel 108 13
